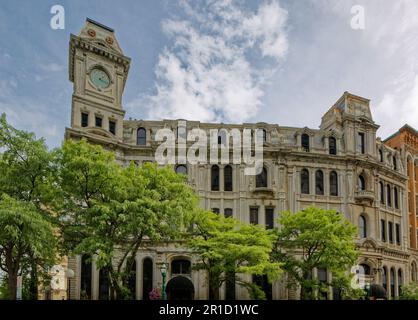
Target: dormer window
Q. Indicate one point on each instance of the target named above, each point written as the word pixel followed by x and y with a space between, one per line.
pixel 395 164
pixel 361 143
pixel 332 145
pixel 380 155
pixel 305 142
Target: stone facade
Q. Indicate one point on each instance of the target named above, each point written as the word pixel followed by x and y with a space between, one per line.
pixel 343 153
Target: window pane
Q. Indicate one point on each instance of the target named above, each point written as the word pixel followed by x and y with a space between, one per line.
pixel 228 213
pixel 98 122
pixel 147 275
pixel 84 119
pixel 261 179
pixel 332 145
pixel 141 137
pixel 304 184
pixel 181 169
pixel 112 127
pixel 215 178
pixel 390 227
pixel 269 218
pixel 305 142
pixel 228 178
pixel 333 182
pixel 319 182
pixel 254 215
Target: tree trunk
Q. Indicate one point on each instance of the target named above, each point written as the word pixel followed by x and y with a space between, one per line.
pixel 12 285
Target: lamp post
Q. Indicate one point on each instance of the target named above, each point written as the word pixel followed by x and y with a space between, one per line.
pixel 70 274
pixel 163 268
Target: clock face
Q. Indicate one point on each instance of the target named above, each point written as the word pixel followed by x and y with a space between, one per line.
pixel 99 78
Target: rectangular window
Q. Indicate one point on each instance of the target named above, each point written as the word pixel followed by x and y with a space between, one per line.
pixel 228 213
pixel 112 127
pixel 360 143
pixel 383 230
pixel 390 227
pixel 98 122
pixel 254 215
pixel 398 234
pixel 323 279
pixel 84 119
pixel 269 218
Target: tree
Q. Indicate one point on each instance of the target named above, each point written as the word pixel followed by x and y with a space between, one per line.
pixel 409 291
pixel 25 237
pixel 227 247
pixel 26 170
pixel 316 238
pixel 110 211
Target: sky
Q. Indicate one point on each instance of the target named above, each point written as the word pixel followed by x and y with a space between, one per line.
pixel 231 61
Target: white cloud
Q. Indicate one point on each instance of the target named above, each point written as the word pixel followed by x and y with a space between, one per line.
pixel 52 67
pixel 207 73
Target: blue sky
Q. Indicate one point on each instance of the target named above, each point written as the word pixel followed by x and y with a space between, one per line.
pixel 279 61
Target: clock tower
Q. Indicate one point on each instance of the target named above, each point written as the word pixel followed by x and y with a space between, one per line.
pixel 99 69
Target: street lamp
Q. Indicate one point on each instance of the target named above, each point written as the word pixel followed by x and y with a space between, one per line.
pixel 163 268
pixel 70 274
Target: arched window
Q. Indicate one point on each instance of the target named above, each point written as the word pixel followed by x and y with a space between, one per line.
pixel 305 142
pixel 385 278
pixel 395 164
pixel 400 282
pixel 364 269
pixel 132 280
pixel 395 197
pixel 332 145
pixel 389 195
pixel 228 213
pixel 181 132
pixel 141 137
pixel 215 178
pixel 362 226
pixel 147 278
pixel 382 192
pixel 180 266
pixel 222 137
pixel 85 278
pixel 319 182
pixel 392 282
pixel 333 183
pixel 304 181
pixel 413 271
pixel 181 169
pixel 380 155
pixel 361 183
pixel 261 179
pixel 228 178
pixel 103 284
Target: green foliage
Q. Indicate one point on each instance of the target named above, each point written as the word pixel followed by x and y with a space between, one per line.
pixel 409 291
pixel 26 172
pixel 226 246
pixel 316 238
pixel 25 237
pixel 107 209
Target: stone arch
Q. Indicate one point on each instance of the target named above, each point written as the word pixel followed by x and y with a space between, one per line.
pixel 180 288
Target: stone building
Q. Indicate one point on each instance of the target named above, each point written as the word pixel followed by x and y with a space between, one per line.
pixel 340 166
